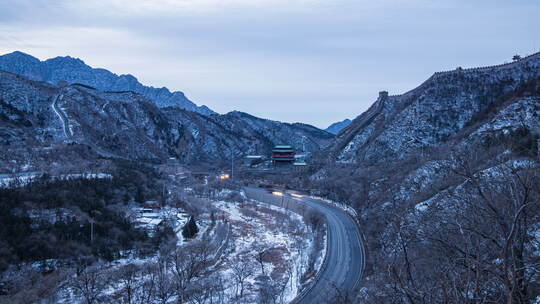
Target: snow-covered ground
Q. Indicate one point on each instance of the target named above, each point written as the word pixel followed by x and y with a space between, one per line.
pixel 280 235
pixel 272 243
pixel 148 219
pixel 24 179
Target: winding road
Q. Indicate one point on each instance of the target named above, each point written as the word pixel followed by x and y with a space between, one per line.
pixel 61 115
pixel 344 263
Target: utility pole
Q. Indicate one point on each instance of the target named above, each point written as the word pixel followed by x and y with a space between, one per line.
pixel 164 195
pixel 91 220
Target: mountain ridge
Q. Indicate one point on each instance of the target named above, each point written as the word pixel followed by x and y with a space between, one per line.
pixel 453 160
pixel 336 127
pixel 75 70
pixel 35 116
pixel 431 113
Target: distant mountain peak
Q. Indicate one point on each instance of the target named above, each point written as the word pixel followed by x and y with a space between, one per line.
pixel 20 55
pixel 18 58
pixel 67 60
pixel 75 70
pixel 336 127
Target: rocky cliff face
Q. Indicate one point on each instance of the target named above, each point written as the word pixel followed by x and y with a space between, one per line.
pixel 447 106
pixel 73 70
pixel 42 121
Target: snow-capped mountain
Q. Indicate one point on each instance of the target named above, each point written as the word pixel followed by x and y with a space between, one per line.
pixel 447 106
pixel 217 136
pixel 41 121
pixel 74 70
pixel 440 174
pixel 336 127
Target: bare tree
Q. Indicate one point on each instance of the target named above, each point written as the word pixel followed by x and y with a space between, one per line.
pixel 206 289
pixel 164 287
pixel 269 291
pixel 260 257
pixel 129 276
pixel 314 219
pixel 90 284
pixel 242 270
pixel 188 264
pixel 147 286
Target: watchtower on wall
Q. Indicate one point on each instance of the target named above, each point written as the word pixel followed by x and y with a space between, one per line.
pixel 383 95
pixel 283 154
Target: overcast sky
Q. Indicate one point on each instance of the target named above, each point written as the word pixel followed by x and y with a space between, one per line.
pixel 311 61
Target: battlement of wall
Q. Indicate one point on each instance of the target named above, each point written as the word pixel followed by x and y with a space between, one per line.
pixel 469 70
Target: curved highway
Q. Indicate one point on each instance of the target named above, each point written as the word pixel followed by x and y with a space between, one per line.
pixel 342 270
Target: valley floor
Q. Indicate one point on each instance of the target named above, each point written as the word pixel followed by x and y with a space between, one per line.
pixel 253 252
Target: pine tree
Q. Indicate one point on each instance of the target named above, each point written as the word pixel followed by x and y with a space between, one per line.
pixel 190 229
